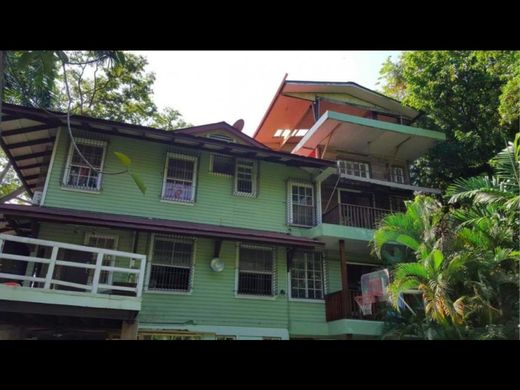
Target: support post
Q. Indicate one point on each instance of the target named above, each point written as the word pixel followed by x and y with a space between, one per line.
pixel 344 277
pixel 129 330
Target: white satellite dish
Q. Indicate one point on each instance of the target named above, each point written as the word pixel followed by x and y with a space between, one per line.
pixel 216 264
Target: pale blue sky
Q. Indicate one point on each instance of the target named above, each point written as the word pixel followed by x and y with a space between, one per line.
pixel 214 86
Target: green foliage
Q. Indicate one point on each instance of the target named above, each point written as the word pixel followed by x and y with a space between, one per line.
pixel 103 84
pixel 471 96
pixel 466 266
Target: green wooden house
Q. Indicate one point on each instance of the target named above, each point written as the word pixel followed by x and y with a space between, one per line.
pixel 235 237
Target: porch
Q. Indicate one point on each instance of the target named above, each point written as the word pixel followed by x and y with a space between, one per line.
pixel 36 272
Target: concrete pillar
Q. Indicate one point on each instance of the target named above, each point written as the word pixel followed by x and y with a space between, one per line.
pixel 129 330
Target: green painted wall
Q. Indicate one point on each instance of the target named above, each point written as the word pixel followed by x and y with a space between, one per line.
pixel 214 202
pixel 212 301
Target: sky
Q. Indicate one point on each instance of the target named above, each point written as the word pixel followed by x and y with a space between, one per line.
pixel 214 86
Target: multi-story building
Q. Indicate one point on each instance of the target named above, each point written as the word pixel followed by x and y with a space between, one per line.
pixel 235 237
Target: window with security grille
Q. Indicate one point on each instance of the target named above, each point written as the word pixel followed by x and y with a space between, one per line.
pixel 245 178
pixel 354 168
pixel 398 175
pixel 172 264
pixel 301 202
pixel 256 271
pixel 78 173
pixel 179 178
pixel 223 165
pixel 307 276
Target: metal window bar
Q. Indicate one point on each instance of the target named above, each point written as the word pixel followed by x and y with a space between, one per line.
pixel 302 205
pixel 172 264
pixel 81 176
pixel 256 271
pixel 361 216
pixel 307 276
pixel 179 180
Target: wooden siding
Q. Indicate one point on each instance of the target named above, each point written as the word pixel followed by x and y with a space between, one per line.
pixel 214 202
pixel 212 301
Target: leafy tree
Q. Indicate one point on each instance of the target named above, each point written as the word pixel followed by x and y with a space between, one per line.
pixel 471 96
pixel 466 256
pixel 103 84
pixel 122 93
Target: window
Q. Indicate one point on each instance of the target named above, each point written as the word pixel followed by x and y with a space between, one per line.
pixel 179 178
pixel 307 276
pixel 107 242
pixel 78 174
pixel 245 178
pixel 397 175
pixel 172 264
pixel 255 271
pixel 354 168
pixel 301 204
pixel 223 165
pixel 221 137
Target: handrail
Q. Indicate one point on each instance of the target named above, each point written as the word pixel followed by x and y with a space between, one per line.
pixel 361 216
pixel 50 278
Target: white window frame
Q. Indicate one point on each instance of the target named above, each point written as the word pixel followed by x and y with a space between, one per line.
pixel 344 167
pixel 178 156
pixel 323 281
pixel 211 161
pixel 290 211
pixel 274 269
pixel 394 177
pixel 66 175
pixel 112 260
pixel 254 177
pixel 193 241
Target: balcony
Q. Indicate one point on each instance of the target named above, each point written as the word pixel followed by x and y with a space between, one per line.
pixel 357 216
pixel 341 305
pixel 45 272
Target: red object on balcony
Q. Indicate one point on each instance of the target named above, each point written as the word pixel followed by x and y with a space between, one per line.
pixel 11 284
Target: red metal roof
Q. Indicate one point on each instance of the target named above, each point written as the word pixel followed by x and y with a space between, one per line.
pixel 54 214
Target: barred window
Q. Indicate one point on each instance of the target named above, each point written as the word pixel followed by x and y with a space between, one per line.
pixel 307 276
pixel 78 174
pixel 179 178
pixel 256 271
pixel 172 264
pixel 354 168
pixel 301 201
pixel 398 175
pixel 223 165
pixel 245 178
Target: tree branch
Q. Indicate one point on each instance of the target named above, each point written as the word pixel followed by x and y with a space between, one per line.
pixel 4 172
pixel 20 190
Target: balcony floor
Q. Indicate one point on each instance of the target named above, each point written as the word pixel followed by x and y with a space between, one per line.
pixel 355 327
pixel 69 298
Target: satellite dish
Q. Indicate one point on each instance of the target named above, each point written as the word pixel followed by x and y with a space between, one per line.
pixel 216 264
pixel 239 124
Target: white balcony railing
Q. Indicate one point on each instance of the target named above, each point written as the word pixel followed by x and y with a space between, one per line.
pixel 101 271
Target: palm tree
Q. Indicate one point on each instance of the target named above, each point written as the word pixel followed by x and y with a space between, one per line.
pixel 422 228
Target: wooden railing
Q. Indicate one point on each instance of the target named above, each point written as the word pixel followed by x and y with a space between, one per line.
pixel 360 216
pixel 41 271
pixel 341 304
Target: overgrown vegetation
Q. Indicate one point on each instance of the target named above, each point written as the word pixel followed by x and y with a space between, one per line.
pixel 465 264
